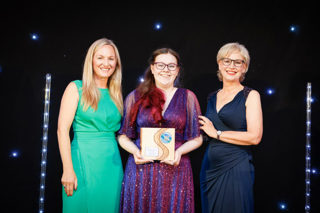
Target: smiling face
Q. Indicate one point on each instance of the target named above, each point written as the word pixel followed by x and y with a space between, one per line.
pixel 164 78
pixel 104 62
pixel 234 70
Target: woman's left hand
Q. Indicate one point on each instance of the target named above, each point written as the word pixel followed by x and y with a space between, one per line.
pixel 207 126
pixel 176 161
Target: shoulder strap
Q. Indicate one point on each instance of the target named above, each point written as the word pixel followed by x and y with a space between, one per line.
pixel 79 86
pixel 246 91
pixel 212 94
pixel 78 83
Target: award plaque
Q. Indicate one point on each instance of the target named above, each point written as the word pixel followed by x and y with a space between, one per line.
pixel 157 143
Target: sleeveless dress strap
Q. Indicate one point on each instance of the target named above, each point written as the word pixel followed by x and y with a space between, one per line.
pixel 79 86
pixel 212 94
pixel 246 91
pixel 78 83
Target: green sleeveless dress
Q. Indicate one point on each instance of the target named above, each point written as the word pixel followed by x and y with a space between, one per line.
pixel 96 158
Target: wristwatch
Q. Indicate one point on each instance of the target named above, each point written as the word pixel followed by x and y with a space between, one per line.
pixel 218 134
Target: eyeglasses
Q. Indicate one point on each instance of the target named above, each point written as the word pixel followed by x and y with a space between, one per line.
pixel 162 66
pixel 236 62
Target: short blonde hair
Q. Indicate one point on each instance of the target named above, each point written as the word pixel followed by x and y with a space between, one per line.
pixel 229 48
pixel 90 92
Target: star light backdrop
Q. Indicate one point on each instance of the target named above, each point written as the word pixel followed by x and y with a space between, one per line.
pixel 283 45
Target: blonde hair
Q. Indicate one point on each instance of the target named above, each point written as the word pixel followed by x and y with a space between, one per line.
pixel 229 48
pixel 90 92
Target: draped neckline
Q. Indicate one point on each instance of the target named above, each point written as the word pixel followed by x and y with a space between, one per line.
pixel 215 104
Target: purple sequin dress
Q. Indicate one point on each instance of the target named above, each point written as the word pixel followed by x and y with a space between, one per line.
pixel 159 187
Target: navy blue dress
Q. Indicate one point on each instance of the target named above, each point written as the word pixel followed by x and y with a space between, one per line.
pixel 227 172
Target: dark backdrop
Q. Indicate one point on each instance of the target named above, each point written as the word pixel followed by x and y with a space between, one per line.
pixel 281 59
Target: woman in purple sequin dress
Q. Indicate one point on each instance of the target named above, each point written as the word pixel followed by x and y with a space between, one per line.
pixel 165 186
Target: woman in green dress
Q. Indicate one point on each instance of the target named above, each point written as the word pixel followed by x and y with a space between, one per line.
pixel 92 167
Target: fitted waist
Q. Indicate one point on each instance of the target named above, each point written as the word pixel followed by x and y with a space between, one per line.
pixel 81 135
pixel 219 150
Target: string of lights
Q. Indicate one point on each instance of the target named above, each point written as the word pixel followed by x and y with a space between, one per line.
pixel 308 149
pixel 44 143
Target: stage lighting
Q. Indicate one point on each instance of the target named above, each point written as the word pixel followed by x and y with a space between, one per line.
pixel 157 26
pixel 34 36
pixel 292 28
pixel 282 206
pixel 14 154
pixel 270 91
pixel 314 171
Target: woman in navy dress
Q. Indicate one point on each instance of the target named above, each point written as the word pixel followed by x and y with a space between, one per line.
pixel 165 186
pixel 233 123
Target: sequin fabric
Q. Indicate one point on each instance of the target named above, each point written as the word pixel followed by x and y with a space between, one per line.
pixel 158 187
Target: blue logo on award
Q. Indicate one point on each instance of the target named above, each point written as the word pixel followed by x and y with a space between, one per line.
pixel 165 137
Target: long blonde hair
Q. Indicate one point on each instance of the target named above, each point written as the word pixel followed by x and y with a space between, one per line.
pixel 90 92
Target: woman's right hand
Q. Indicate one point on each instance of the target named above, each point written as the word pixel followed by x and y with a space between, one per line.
pixel 126 143
pixel 69 181
pixel 138 158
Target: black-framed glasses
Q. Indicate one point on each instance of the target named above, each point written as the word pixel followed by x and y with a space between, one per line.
pixel 162 66
pixel 236 62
